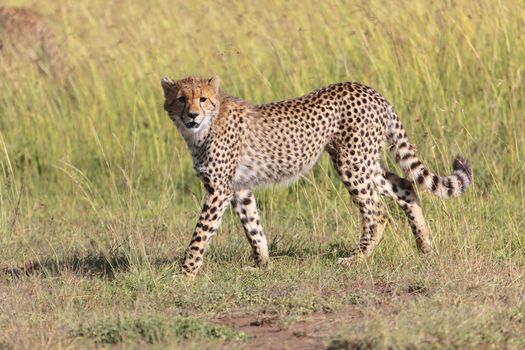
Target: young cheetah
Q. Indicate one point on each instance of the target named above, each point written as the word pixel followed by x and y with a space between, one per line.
pixel 237 146
pixel 26 38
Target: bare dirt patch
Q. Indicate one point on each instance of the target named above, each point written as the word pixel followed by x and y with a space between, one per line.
pixel 272 332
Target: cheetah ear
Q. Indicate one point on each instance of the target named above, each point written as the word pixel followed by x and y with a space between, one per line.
pixel 167 84
pixel 215 82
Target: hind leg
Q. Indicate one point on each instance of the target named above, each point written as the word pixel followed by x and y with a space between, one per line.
pixel 402 191
pixel 372 217
pixel 358 180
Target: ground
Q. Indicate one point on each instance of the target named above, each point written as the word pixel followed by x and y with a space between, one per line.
pixel 98 199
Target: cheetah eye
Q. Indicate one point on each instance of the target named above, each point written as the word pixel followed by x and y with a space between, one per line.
pixel 182 99
pixel 203 99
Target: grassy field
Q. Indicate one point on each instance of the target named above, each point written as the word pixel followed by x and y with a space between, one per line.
pixel 98 199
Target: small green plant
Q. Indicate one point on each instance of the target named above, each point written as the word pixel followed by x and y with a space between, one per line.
pixel 361 344
pixel 154 330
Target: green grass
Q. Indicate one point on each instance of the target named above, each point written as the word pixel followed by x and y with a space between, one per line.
pixel 151 330
pixel 98 199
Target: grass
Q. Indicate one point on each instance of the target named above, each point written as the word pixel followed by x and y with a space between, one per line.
pixel 98 199
pixel 151 330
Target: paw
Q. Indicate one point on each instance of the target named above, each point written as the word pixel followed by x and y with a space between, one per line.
pixel 258 266
pixel 182 273
pixel 425 250
pixel 185 271
pixel 249 269
pixel 189 275
pixel 425 247
pixel 352 259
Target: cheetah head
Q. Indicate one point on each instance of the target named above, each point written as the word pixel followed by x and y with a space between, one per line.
pixel 191 102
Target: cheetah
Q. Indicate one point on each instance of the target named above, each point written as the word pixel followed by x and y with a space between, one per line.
pixel 236 146
pixel 25 38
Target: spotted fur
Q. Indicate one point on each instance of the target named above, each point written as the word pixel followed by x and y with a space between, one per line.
pixel 237 146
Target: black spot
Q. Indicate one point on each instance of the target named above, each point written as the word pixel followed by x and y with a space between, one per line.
pixel 209 189
pixel 435 182
pixel 246 201
pixel 415 164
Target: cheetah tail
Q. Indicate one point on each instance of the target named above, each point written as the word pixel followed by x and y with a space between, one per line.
pixel 404 152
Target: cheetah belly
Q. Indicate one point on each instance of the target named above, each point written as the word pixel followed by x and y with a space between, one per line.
pixel 272 168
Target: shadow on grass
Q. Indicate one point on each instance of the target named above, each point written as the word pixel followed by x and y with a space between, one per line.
pixel 304 249
pixel 104 265
pixel 90 265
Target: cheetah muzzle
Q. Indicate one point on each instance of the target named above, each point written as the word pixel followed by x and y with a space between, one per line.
pixel 192 125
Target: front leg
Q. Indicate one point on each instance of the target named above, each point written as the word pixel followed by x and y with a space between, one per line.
pixel 213 209
pixel 245 206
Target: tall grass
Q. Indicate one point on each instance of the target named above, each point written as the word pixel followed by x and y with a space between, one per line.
pixel 101 144
pixel 91 168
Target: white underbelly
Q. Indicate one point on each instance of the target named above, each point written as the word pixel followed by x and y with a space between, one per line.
pixel 253 172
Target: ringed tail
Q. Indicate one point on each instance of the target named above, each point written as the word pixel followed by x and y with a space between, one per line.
pixel 405 156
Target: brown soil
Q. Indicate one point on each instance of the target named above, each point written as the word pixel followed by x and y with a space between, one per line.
pixel 269 332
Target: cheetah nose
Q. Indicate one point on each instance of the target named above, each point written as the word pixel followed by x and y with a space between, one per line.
pixel 193 115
